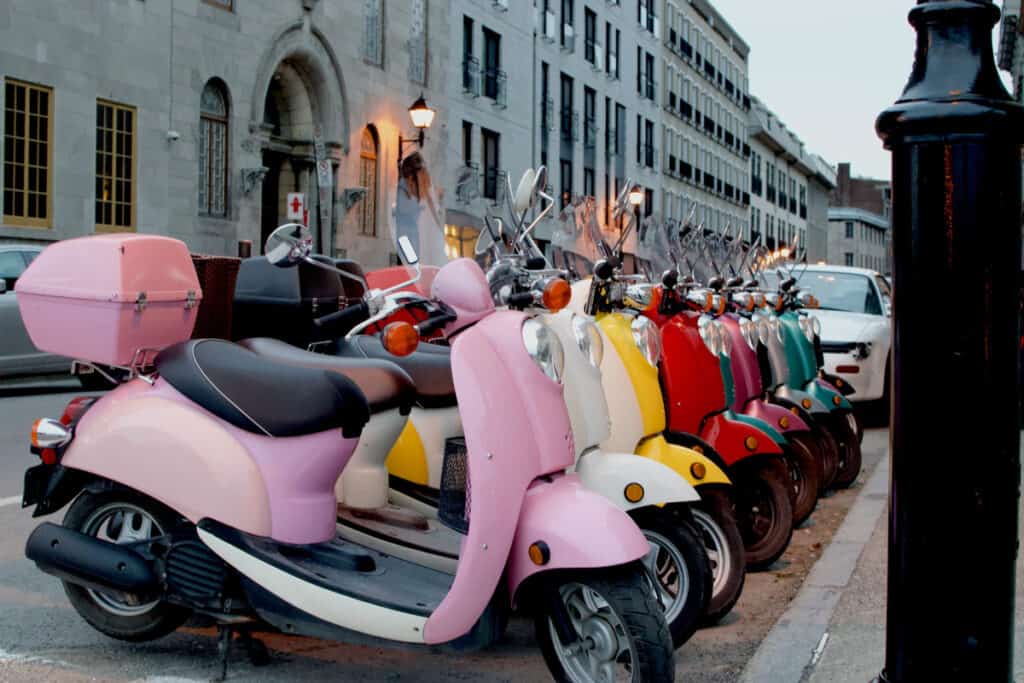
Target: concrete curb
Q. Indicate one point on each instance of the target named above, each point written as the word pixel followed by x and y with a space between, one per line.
pixel 798 637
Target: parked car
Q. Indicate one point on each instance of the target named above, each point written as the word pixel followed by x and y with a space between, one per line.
pixel 18 355
pixel 855 312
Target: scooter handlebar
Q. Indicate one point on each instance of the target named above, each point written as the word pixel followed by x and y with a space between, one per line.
pixel 340 322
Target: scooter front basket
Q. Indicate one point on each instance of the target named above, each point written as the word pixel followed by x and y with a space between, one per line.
pixel 454 501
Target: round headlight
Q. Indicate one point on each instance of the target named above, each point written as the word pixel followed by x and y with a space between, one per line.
pixel 544 348
pixel 588 339
pixel 709 334
pixel 749 330
pixel 647 338
pixel 725 337
pixel 815 326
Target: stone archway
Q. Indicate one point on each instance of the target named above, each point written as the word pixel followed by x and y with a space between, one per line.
pixel 298 91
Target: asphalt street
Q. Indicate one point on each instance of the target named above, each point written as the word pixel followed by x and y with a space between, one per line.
pixel 42 638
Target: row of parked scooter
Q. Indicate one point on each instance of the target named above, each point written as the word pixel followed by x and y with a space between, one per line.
pixel 607 453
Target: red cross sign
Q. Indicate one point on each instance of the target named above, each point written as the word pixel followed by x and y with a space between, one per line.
pixel 296 205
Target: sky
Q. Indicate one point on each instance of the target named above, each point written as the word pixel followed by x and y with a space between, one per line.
pixel 827 68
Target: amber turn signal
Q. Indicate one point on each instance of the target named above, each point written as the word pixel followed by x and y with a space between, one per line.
pixel 751 443
pixel 540 554
pixel 698 470
pixel 557 294
pixel 836 400
pixel 784 421
pixel 634 492
pixel 806 403
pixel 699 449
pixel 400 339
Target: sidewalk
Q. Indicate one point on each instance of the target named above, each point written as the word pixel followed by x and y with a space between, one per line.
pixel 834 630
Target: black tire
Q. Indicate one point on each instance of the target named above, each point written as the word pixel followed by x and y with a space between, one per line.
pixel 630 597
pixel 829 452
pixel 678 543
pixel 157 621
pixel 849 451
pixel 716 520
pixel 764 511
pixel 805 470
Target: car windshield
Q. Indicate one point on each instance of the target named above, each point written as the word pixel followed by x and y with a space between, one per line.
pixel 842 291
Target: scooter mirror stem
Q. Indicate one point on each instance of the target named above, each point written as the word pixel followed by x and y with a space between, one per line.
pixel 351 276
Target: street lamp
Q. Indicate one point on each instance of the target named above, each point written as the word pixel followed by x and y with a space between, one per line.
pixel 422 116
pixel 636 197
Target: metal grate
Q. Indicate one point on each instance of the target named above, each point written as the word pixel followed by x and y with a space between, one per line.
pixel 454 501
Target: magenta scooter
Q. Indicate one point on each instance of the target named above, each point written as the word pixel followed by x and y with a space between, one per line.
pixel 205 483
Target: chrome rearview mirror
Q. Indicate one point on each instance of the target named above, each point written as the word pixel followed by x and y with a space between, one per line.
pixel 408 251
pixel 289 244
pixel 525 192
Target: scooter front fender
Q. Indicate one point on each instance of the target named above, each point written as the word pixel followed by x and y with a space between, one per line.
pixel 610 474
pixel 682 460
pixel 766 427
pixel 729 437
pixel 777 416
pixel 581 529
pixel 788 396
pixel 829 396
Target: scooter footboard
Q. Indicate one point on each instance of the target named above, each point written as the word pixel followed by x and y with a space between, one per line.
pixel 630 482
pixel 574 529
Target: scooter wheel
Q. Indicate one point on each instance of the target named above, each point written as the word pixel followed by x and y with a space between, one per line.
pixel 716 520
pixel 679 566
pixel 598 605
pixel 849 452
pixel 764 511
pixel 829 452
pixel 805 470
pixel 122 516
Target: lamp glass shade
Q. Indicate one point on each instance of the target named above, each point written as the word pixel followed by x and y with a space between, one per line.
pixel 636 196
pixel 422 115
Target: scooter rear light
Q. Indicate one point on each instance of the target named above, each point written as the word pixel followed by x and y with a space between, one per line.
pixel 847 370
pixel 76 408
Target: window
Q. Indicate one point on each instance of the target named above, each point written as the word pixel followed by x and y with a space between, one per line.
pixel 590 36
pixel 493 76
pixel 470 64
pixel 467 143
pixel 589 117
pixel 418 42
pixel 569 119
pixel 367 210
pixel 588 182
pixel 492 161
pixel 848 256
pixel 849 232
pixel 28 155
pixel 115 166
pixel 213 150
pixel 565 178
pixel 373 32
pixel 568 39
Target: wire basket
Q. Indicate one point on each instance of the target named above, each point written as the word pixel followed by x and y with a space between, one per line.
pixel 453 505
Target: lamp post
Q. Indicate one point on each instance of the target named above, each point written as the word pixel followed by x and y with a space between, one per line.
pixel 422 116
pixel 955 136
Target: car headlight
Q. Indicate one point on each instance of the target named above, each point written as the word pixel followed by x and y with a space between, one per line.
pixel 544 348
pixel 647 338
pixel 725 339
pixel 709 334
pixel 749 329
pixel 588 339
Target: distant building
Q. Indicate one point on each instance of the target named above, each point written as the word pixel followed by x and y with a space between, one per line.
pixel 196 118
pixel 789 186
pixel 859 222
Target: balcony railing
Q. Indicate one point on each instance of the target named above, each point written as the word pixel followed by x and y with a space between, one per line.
pixel 590 132
pixel 496 86
pixel 471 75
pixel 467 184
pixel 547 114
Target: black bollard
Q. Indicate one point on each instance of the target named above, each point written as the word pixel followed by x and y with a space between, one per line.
pixel 955 137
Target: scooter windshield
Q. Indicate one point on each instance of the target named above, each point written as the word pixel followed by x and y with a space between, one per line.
pixel 573 245
pixel 655 251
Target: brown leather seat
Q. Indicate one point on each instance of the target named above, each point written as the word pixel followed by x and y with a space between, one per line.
pixel 385 385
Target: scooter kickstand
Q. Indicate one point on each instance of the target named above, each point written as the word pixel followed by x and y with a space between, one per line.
pixel 224 633
pixel 254 647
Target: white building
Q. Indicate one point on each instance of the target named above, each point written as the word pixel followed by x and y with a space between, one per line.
pixel 858 238
pixel 706 100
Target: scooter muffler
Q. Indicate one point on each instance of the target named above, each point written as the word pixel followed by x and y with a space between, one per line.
pixel 92 563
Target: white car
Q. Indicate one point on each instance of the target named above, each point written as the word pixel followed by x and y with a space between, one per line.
pixel 856 332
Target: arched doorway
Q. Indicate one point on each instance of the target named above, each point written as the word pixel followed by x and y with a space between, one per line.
pixel 299 99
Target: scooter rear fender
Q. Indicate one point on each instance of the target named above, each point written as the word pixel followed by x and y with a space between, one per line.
pixel 828 394
pixel 766 427
pixel 683 460
pixel 790 397
pixel 580 529
pixel 610 474
pixel 729 437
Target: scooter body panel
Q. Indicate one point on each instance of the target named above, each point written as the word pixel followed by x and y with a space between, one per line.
pixel 766 427
pixel 364 482
pixel 581 529
pixel 775 415
pixel 682 460
pixel 418 454
pixel 609 474
pixel 691 376
pixel 154 440
pixel 828 394
pixel 728 437
pixel 788 396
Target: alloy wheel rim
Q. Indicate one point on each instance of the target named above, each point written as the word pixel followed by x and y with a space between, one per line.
pixel 603 649
pixel 121 523
pixel 717 548
pixel 669 573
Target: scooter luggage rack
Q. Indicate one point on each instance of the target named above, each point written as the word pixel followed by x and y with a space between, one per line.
pixel 142 360
pixel 454 499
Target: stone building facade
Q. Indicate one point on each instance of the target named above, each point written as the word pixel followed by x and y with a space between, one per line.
pixel 196 118
pixel 859 222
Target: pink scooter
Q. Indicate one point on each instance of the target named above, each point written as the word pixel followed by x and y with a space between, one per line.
pixel 205 483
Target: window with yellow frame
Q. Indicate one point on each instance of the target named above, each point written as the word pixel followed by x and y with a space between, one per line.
pixel 459 241
pixel 28 154
pixel 115 166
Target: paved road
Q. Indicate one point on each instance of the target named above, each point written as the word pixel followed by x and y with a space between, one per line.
pixel 41 638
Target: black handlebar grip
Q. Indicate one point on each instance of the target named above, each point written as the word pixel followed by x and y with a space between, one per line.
pixel 345 319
